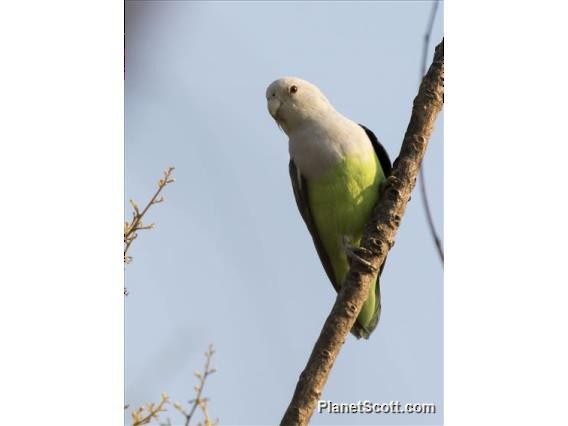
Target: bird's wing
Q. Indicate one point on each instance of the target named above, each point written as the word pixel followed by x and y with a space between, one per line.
pixel 381 152
pixel 301 196
pixel 384 161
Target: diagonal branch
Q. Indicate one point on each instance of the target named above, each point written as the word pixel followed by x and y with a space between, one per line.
pixel 377 240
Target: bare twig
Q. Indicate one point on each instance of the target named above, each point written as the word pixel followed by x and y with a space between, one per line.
pixel 145 414
pixel 425 202
pixel 435 236
pixel 148 412
pixel 377 240
pixel 427 36
pixel 199 401
pixel 131 228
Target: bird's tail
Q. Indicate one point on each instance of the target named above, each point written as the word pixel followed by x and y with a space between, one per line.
pixel 364 330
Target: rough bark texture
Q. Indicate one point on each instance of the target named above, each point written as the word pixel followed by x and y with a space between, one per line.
pixel 377 240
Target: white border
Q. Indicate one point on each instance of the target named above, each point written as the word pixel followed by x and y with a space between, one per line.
pixel 61 168
pixel 505 191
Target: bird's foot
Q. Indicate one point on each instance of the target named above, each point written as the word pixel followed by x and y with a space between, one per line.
pixel 354 252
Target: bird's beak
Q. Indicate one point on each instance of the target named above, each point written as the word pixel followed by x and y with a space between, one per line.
pixel 273 107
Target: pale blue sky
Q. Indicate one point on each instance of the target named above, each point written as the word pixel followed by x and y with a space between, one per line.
pixel 230 261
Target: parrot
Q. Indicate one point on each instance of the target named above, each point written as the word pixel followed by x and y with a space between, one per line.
pixel 337 168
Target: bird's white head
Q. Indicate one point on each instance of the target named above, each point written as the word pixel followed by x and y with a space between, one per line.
pixel 294 102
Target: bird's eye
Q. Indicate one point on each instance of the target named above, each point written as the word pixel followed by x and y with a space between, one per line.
pixel 293 89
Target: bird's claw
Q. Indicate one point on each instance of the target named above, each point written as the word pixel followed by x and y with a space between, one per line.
pixel 354 252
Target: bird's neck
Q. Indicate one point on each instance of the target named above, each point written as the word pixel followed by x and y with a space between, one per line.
pixel 319 145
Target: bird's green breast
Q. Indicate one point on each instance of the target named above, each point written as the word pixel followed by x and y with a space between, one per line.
pixel 341 202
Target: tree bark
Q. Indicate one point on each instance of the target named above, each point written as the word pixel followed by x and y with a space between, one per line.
pixel 377 240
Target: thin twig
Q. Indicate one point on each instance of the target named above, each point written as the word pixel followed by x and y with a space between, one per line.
pixel 199 388
pixel 377 240
pixel 198 401
pixel 153 411
pixel 425 202
pixel 131 228
pixel 427 38
pixel 435 236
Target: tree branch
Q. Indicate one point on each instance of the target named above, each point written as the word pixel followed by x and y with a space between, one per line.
pixel 377 240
